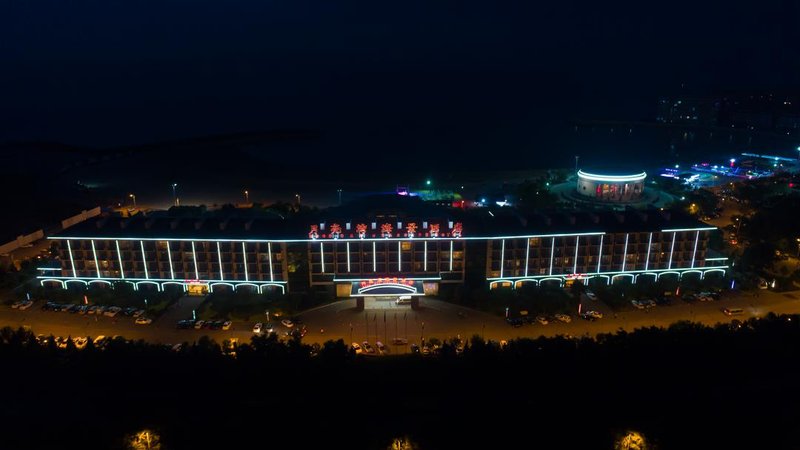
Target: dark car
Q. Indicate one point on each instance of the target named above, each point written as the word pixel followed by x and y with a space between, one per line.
pixel 215 325
pixel 185 324
pixel 588 317
pixel 515 322
pixel 414 348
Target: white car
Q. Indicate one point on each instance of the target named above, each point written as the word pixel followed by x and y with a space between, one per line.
pixel 563 318
pixel 591 295
pixel 138 313
pixel 199 324
pixel 381 347
pixel 142 320
pixel 257 328
pixel 595 314
pixel 356 348
pixel 227 325
pixel 287 323
pixel 80 342
pixel 16 304
pixel 542 320
pixel 637 304
pixel 25 305
pixel 99 339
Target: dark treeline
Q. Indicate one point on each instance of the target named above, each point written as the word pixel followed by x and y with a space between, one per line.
pixel 688 386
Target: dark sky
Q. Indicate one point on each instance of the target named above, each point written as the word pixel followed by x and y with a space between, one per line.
pixel 370 75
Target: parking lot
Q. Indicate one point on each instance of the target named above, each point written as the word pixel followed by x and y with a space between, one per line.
pixel 433 319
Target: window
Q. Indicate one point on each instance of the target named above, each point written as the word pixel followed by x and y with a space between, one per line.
pixel 405 245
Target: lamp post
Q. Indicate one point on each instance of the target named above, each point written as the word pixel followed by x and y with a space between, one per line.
pixel 340 196
pixel 175 194
pixel 297 198
pixel 246 196
pixel 134 200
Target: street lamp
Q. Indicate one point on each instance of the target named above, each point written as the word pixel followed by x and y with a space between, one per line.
pixel 175 193
pixel 340 196
pixel 134 200
pixel 246 196
pixel 297 197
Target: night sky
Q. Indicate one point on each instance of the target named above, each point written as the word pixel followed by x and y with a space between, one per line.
pixel 372 76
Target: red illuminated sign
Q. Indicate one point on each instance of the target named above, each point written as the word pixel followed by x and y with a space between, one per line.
pixel 393 280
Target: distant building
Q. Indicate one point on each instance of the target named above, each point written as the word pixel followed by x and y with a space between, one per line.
pixel 611 187
pixel 687 110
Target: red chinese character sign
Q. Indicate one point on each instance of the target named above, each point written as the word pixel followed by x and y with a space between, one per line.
pixel 361 229
pixel 314 233
pixel 411 229
pixel 336 230
pixel 386 230
pixel 434 230
pixel 456 230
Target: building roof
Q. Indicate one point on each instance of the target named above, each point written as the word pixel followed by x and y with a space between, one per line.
pixel 476 223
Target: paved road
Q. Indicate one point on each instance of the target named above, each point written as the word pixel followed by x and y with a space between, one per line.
pixel 435 318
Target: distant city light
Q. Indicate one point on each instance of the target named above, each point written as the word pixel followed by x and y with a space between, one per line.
pixel 428 182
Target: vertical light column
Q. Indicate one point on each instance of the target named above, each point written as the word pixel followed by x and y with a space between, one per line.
pixel 244 258
pixel 600 253
pixel 649 244
pixel 169 256
pixel 552 252
pixel 119 257
pixel 348 257
pixel 219 259
pixel 71 260
pixel 451 256
pixel 322 256
pixel 94 253
pixel 527 256
pixel 625 252
pixel 694 252
pixel 671 249
pixel 194 259
pixel 144 260
pixel 374 259
pixel 575 265
pixel 425 257
pixel 502 256
pixel 269 256
pixel 399 252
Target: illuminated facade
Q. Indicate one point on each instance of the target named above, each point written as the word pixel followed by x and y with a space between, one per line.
pixel 611 188
pixel 380 256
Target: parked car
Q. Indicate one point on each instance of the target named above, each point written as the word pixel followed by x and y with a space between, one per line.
pixel 257 328
pixel 414 348
pixel 542 320
pixel 367 348
pixel 637 304
pixel 590 294
pixel 25 305
pixel 227 325
pixel 515 322
pixel 199 324
pixel 142 320
pixel 128 311
pixel 563 318
pixel 138 312
pixel 595 314
pixel 98 341
pixel 80 342
pixel 92 309
pixel 287 323
pixel 16 304
pixel 587 316
pixel 381 347
pixel 400 341
pixel 185 324
pixel 356 348
pixel 112 311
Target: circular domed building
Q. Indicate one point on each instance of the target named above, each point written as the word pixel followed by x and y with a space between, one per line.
pixel 611 187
